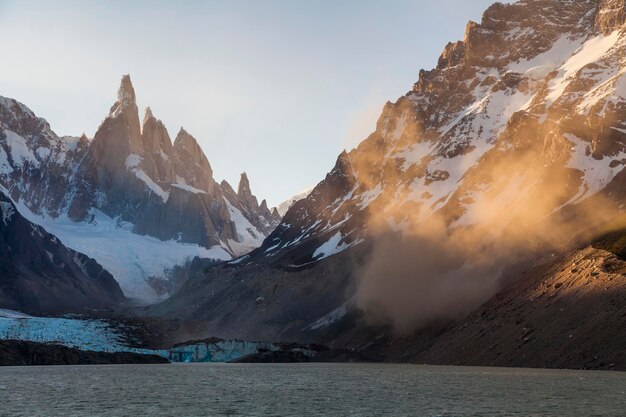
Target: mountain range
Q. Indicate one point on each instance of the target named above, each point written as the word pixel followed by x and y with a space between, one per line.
pixel 130 177
pixel 495 185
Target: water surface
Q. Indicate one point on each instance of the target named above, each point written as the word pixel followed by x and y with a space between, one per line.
pixel 307 390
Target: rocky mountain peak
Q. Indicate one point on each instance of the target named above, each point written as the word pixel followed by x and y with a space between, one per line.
pixel 187 147
pixel 184 140
pixel 147 115
pixel 244 192
pixel 20 119
pixel 225 185
pixel 343 164
pixel 156 140
pixel 125 97
pixel 244 185
pixel 452 55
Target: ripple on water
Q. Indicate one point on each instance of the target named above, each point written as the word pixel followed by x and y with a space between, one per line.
pixel 307 389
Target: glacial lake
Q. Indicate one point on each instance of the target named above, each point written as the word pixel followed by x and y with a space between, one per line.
pixel 307 390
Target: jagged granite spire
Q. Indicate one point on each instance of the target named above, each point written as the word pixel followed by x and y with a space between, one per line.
pixel 118 136
pixel 125 97
pixel 244 192
pixel 243 189
pixel 147 115
pixel 155 137
pixel 188 148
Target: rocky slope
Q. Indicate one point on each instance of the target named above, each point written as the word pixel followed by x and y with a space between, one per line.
pixel 565 311
pixel 39 274
pixel 567 314
pixel 518 130
pixel 130 176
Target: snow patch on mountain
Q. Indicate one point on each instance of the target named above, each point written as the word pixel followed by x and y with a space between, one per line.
pixel 133 160
pixel 188 188
pixel 333 246
pixel 19 149
pixel 285 205
pixel 413 155
pixel 7 211
pixel 249 236
pixel 591 51
pixel 553 58
pixel 332 317
pixel 152 186
pixel 597 173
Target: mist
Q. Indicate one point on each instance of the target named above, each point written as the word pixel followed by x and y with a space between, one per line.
pixel 444 263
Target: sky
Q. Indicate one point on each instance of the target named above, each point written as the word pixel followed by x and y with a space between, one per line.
pixel 273 88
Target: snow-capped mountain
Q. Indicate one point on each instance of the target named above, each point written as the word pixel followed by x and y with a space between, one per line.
pixel 286 205
pixel 39 274
pixel 527 111
pixel 536 81
pixel 157 198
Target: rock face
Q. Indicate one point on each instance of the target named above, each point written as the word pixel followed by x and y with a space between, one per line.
pixel 527 111
pixel 131 172
pixel 39 274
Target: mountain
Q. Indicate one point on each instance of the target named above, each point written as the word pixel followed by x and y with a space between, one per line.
pixel 285 205
pixel 39 274
pixel 132 179
pixel 510 150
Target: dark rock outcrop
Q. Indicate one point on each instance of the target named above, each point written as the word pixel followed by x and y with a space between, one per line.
pixel 39 274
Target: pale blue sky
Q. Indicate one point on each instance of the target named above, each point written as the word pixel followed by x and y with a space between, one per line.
pixel 275 88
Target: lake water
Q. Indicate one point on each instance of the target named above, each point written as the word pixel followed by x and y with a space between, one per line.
pixel 307 389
